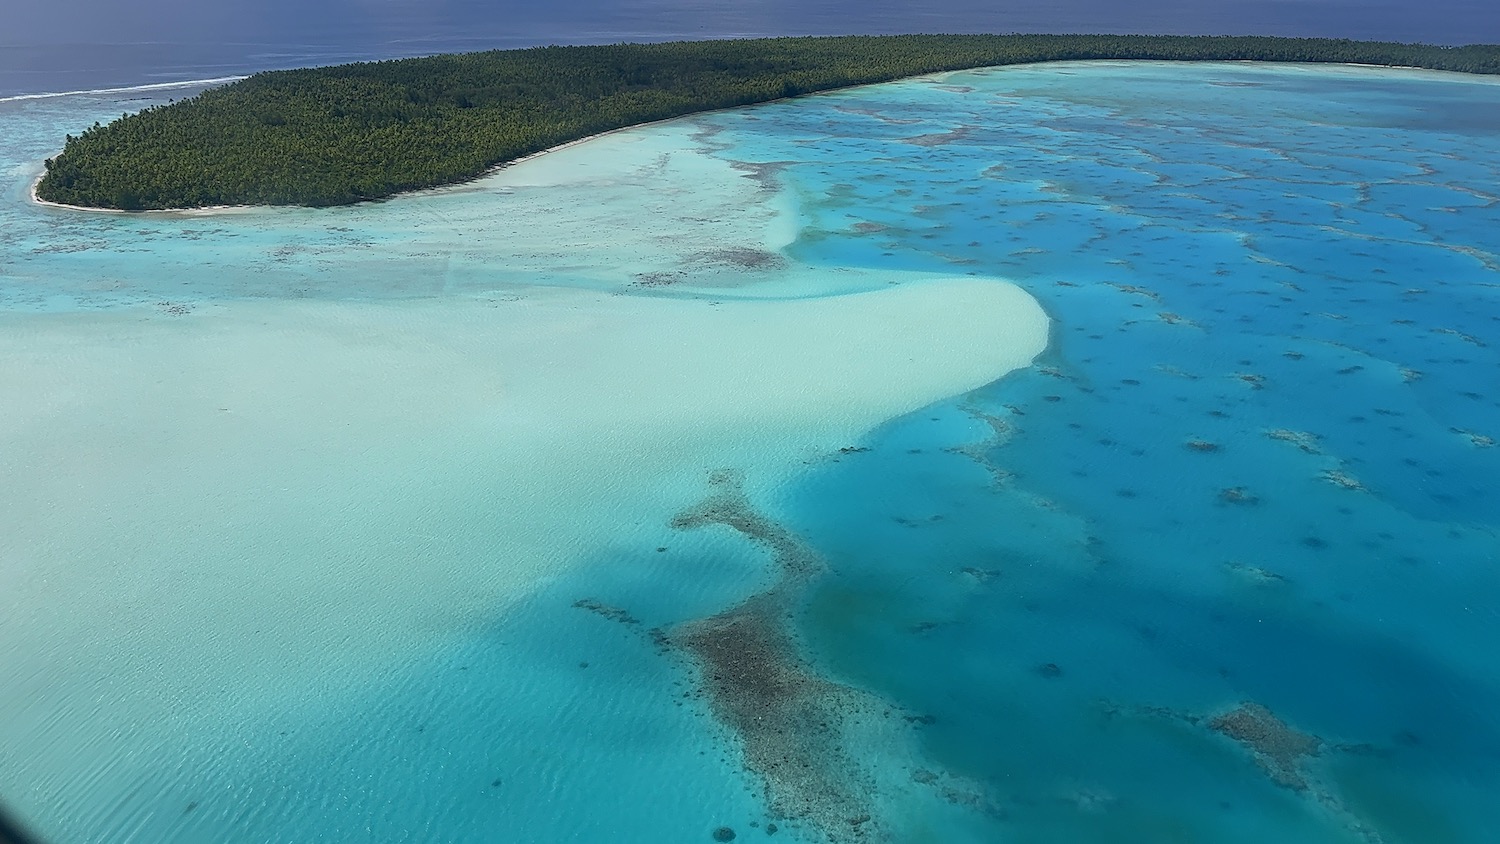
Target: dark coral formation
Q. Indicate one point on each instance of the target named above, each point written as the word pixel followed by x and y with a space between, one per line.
pixel 1284 753
pixel 789 721
pixel 1301 439
pixel 1175 319
pixel 1002 428
pixel 1238 495
pixel 1343 480
pixel 605 610
pixel 1255 573
pixel 1136 290
pixel 793 726
pixel 1279 749
pixel 1475 438
pixel 174 308
pixel 1255 380
pixel 664 278
pixel 743 257
pixel 726 505
pixel 937 139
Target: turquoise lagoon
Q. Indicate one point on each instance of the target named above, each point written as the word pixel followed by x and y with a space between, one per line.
pixel 383 523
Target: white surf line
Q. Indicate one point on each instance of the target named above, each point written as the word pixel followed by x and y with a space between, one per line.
pixel 155 86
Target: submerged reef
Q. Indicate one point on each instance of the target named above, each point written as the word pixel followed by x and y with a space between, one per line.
pixel 1301 439
pixel 936 139
pixel 1278 749
pixel 1254 573
pixel 1238 495
pixel 790 722
pixel 1283 753
pixel 794 728
pixel 727 505
pixel 1343 480
pixel 1475 438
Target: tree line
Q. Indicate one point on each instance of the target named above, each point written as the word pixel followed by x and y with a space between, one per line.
pixel 348 133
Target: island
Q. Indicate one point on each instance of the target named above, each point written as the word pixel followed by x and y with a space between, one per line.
pixel 356 132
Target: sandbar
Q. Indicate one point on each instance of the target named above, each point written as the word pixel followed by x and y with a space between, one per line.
pixel 258 504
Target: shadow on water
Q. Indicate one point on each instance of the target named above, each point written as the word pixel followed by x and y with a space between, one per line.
pixel 11 831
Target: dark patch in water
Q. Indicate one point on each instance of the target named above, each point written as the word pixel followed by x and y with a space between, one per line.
pixel 1238 495
pixel 937 139
pixel 791 722
pixel 727 506
pixel 659 279
pixel 607 611
pixel 1279 750
pixel 742 257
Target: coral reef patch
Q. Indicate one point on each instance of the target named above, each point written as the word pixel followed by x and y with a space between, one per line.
pixel 794 728
pixel 1279 749
pixel 789 721
pixel 1285 754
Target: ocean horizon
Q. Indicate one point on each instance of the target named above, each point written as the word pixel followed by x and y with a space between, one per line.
pixel 45 51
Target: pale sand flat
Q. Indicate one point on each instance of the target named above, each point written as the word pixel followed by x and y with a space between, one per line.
pixel 213 516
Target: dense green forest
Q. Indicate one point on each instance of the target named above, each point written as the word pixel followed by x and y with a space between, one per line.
pixel 336 135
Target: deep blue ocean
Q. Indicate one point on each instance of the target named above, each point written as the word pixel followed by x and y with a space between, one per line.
pixel 83 44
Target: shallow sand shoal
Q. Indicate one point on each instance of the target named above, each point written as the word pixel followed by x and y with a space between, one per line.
pixel 211 515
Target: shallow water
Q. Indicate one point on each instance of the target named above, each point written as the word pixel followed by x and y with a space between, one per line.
pixel 1256 463
pixel 1254 466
